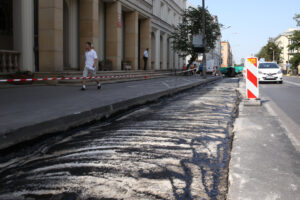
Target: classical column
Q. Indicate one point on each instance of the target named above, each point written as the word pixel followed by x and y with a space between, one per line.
pixel 180 63
pixel 171 57
pixel 176 61
pixel 23 26
pixel 51 36
pixel 73 34
pixel 114 34
pixel 165 52
pixel 102 28
pixel 145 41
pixel 131 38
pixel 157 50
pixel 88 26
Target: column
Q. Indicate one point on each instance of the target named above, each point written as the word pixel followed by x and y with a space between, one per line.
pixel 157 50
pixel 176 61
pixel 50 36
pixel 180 63
pixel 88 26
pixel 171 57
pixel 73 34
pixel 131 38
pixel 101 53
pixel 23 26
pixel 114 34
pixel 145 41
pixel 165 52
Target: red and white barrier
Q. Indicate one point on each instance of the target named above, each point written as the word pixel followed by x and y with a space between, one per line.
pixel 252 83
pixel 64 78
pixel 91 77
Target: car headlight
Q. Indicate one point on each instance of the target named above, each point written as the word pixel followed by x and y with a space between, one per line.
pixel 279 72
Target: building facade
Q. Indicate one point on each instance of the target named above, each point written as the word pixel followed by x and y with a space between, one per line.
pixel 226 52
pixel 50 35
pixel 214 56
pixel 283 41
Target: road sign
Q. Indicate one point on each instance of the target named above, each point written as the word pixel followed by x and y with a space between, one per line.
pixel 198 43
pixel 252 83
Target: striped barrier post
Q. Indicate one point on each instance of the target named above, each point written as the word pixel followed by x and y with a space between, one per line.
pixel 252 83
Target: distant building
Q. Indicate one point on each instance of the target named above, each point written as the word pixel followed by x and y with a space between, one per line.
pixel 283 41
pixel 226 53
pixel 214 56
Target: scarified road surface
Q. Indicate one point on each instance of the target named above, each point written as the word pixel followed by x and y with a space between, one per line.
pixel 177 148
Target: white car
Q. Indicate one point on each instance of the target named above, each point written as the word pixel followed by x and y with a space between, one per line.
pixel 269 72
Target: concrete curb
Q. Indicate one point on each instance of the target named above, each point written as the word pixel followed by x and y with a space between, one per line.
pixel 75 120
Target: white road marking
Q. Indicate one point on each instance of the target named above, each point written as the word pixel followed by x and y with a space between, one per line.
pixel 292 83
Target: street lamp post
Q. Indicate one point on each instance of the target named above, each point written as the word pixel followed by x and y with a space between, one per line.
pixel 273 53
pixel 204 40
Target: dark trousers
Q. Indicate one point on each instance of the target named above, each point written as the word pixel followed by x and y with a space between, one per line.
pixel 145 63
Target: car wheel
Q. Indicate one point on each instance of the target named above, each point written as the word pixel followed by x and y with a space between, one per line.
pixel 280 82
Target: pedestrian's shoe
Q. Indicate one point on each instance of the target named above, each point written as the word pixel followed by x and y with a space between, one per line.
pixel 99 87
pixel 82 88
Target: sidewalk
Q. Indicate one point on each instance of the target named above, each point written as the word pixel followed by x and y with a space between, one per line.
pixel 29 112
pixel 264 163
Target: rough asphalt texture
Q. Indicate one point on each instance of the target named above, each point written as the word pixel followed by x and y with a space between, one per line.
pixel 177 148
pixel 29 112
pixel 264 165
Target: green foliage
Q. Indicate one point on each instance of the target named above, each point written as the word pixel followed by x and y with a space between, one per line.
pixel 295 60
pixel 295 45
pixel 190 25
pixel 297 19
pixel 267 52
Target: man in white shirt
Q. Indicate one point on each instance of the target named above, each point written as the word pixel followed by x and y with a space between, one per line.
pixel 91 59
pixel 146 56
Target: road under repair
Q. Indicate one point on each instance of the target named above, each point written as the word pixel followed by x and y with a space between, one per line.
pixel 176 148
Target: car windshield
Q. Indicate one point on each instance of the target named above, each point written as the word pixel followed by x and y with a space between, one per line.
pixel 268 66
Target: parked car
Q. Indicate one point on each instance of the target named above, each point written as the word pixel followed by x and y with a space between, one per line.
pixel 269 72
pixel 210 66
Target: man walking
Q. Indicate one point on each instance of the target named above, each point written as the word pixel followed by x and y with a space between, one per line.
pixel 146 56
pixel 287 67
pixel 91 59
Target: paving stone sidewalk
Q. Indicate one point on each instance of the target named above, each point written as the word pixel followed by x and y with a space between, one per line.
pixel 28 112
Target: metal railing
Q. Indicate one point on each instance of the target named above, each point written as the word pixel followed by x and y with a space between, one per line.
pixel 9 61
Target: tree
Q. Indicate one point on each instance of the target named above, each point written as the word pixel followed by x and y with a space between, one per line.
pixel 297 19
pixel 191 24
pixel 271 49
pixel 295 44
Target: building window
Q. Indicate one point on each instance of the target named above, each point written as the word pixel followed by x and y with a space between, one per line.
pixel 162 7
pixel 154 7
pixel 6 17
pixel 169 15
pixel 175 21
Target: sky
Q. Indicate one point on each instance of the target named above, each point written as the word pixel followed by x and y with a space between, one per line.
pixel 252 22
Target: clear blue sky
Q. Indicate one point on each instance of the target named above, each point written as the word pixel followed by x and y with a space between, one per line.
pixel 252 21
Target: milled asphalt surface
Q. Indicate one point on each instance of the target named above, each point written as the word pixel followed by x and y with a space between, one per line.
pixel 30 112
pixel 177 148
pixel 264 159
